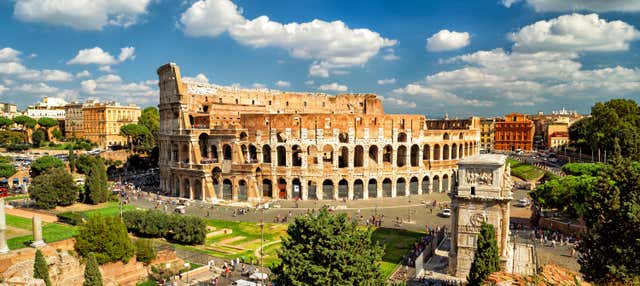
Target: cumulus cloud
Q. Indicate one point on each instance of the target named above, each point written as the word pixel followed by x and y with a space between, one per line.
pixel 334 86
pixel 81 14
pixel 446 40
pixel 84 73
pixel 580 5
pixel 97 56
pixel 114 88
pixel 9 55
pixel 198 78
pixel 258 85
pixel 390 55
pixel 386 81
pixel 55 75
pixel 282 83
pixel 20 71
pixel 397 102
pixel 339 46
pixel 575 32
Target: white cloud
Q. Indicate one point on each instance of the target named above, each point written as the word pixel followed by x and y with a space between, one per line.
pixel 12 68
pixel 106 69
pixel 282 83
pixel 89 86
pixel 3 89
pixel 580 5
pixel 386 81
pixel 97 56
pixel 390 55
pixel 446 40
pixel 20 71
pixel 84 73
pixel 37 88
pixel 397 102
pixel 198 78
pixel 334 86
pixel 55 75
pixel 330 44
pixel 110 78
pixel 81 14
pixel 575 32
pixel 258 85
pixel 9 55
pixel 113 88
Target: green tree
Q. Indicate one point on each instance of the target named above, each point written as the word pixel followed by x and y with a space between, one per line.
pixel 566 194
pixel 52 188
pixel 610 246
pixel 57 134
pixel 486 259
pixel 7 170
pixel 96 187
pixel 5 122
pixel 11 137
pixel 145 250
pixel 327 249
pixel 135 133
pixel 47 123
pixel 44 163
pixel 26 122
pixel 41 269
pixel 150 118
pixel 38 137
pixel 72 157
pixel 106 237
pixel 92 275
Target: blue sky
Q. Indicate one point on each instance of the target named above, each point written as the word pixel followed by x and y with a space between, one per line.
pixel 484 58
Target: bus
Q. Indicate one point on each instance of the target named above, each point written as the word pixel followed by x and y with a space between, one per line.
pixel 4 188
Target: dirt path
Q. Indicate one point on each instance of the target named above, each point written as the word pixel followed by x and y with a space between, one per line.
pixel 30 214
pixel 258 250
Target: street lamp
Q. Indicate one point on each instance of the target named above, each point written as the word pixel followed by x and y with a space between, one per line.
pixel 188 266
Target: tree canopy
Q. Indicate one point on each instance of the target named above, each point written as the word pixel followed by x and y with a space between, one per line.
pixel 92 275
pixel 566 194
pixel 106 237
pixel 38 137
pixel 96 188
pixel 486 259
pixel 7 170
pixel 25 121
pixel 47 122
pixel 135 133
pixel 5 122
pixel 52 188
pixel 44 163
pixel 327 249
pixel 41 269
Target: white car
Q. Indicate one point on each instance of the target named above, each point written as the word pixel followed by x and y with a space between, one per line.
pixel 446 213
pixel 522 203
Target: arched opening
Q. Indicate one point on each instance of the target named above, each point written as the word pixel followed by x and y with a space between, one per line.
pixel 413 186
pixel 266 154
pixel 244 154
pixel 415 156
pixel 226 152
pixel 401 161
pixel 358 156
pixel 253 154
pixel 401 187
pixel 425 184
pixel 197 190
pixel 387 154
pixel 214 153
pixel 203 143
pixel 445 152
pixel 312 155
pixel 436 152
pixel 185 154
pixel 227 190
pixel 461 136
pixel 358 189
pixel 466 149
pixel 454 151
pixel 426 156
pixel 312 192
pixel 445 183
pixel 386 188
pixel 282 155
pixel 402 137
pixel 297 189
pixel 460 152
pixel 327 156
pixel 372 188
pixel 243 136
pixel 282 188
pixel 343 158
pixel 174 152
pixel 296 156
pixel 281 137
pixel 267 188
pixel 445 136
pixel 242 190
pixel 373 155
pixel 327 190
pixel 436 184
pixel 343 137
pixel 187 189
pixel 216 188
pixel 343 189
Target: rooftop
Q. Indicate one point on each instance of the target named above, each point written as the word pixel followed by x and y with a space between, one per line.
pixel 484 159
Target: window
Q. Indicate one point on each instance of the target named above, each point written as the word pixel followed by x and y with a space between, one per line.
pixel 473 191
pixel 305 104
pixel 269 102
pixel 287 104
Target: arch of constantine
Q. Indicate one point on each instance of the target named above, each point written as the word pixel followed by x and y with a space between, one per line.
pixel 227 143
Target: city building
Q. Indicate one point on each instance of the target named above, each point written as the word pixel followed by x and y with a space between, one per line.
pixel 226 143
pixel 557 122
pixel 9 110
pixel 51 107
pixel 101 122
pixel 514 132
pixel 73 120
pixel 487 133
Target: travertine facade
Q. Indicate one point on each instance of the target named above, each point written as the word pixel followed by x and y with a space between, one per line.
pixel 483 194
pixel 235 144
pixel 100 122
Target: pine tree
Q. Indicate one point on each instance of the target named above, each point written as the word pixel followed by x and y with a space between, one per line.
pixel 40 268
pixel 486 259
pixel 96 188
pixel 92 276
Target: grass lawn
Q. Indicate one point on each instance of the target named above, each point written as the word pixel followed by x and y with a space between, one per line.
pixel 397 244
pixel 110 209
pixel 50 232
pixel 19 222
pixel 16 197
pixel 524 171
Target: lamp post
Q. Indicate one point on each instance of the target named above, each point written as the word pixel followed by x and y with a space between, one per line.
pixel 188 266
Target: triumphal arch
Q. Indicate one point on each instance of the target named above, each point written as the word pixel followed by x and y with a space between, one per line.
pixel 229 143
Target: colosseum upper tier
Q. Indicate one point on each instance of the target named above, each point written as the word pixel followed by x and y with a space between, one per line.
pixel 226 143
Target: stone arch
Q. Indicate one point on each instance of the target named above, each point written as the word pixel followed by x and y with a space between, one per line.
pixel 445 136
pixel 454 151
pixel 186 184
pixel 372 188
pixel 281 137
pixel 343 137
pixel 425 152
pixel 227 190
pixel 296 156
pixel 267 188
pixel 425 184
pixel 243 194
pixel 226 152
pixel 402 137
pixel 282 188
pixel 312 190
pixel 243 136
pixel 436 152
pixel 358 156
pixel 312 155
pixel 445 152
pixel 216 188
pixel 253 154
pixel 358 189
pixel 413 186
pixel 401 187
pixel 387 154
pixel 327 155
pixel 343 189
pixel 436 184
pixel 460 151
pixel 203 143
pixel 343 158
pixel 373 155
pixel 466 149
pixel 185 153
pixel 415 156
pixel 461 136
pixel 445 183
pixel 401 159
pixel 214 152
pixel 296 186
pixel 282 155
pixel 386 188
pixel 266 153
pixel 243 154
pixel 327 189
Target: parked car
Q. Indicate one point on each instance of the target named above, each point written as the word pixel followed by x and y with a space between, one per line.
pixel 522 203
pixel 445 213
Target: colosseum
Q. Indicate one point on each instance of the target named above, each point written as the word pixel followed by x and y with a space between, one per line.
pixel 226 143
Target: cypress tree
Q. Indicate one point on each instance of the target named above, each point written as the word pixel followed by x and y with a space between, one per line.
pixel 92 276
pixel 40 268
pixel 486 260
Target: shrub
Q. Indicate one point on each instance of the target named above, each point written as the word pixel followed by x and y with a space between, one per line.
pixel 106 237
pixel 145 250
pixel 72 218
pixel 41 269
pixel 156 224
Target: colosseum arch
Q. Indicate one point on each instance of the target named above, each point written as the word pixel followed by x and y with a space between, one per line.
pixel 312 190
pixel 216 188
pixel 454 151
pixel 401 161
pixel 226 152
pixel 343 189
pixel 461 151
pixel 343 157
pixel 185 153
pixel 402 137
pixel 426 155
pixel 413 186
pixel 187 188
pixel 466 149
pixel 203 143
pixel 267 188
pixel 387 154
pixel 386 188
pixel 425 184
pixel 415 155
pixel 243 136
pixel 282 188
pixel 214 152
pixel 445 183
pixel 373 155
pixel 372 188
pixel 312 155
pixel 296 156
pixel 436 152
pixel 243 153
pixel 327 156
pixel 327 189
pixel 296 192
pixel 436 184
pixel 358 189
pixel 358 156
pixel 227 190
pixel 282 155
pixel 445 136
pixel 243 194
pixel 445 152
pixel 266 154
pixel 401 187
pixel 253 154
